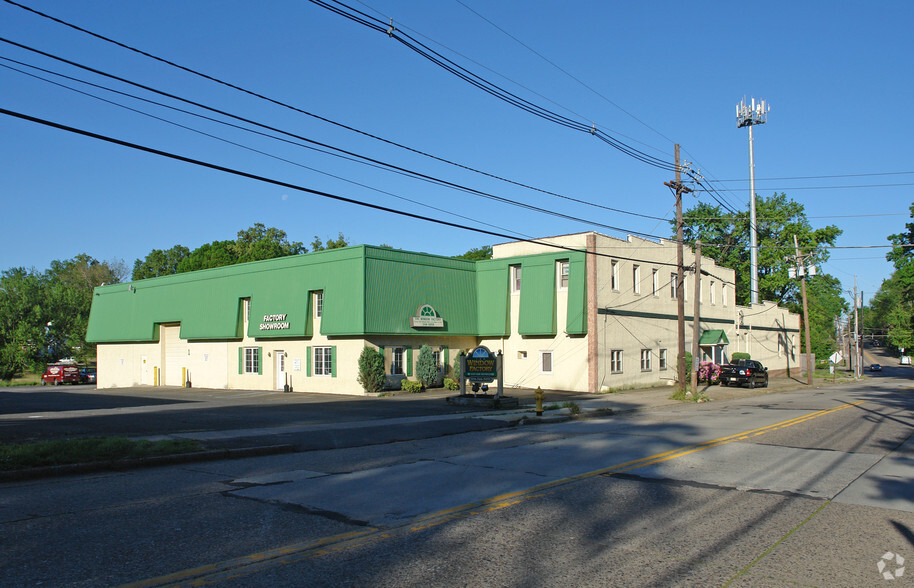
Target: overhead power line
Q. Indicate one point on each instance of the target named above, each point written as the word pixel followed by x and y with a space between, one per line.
pixel 485 85
pixel 299 188
pixel 319 117
pixel 412 173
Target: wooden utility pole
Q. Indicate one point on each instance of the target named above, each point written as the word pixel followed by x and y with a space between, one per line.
pixel 801 268
pixel 680 292
pixel 696 334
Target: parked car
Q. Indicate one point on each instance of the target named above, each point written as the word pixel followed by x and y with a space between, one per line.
pixel 60 373
pixel 875 367
pixel 744 372
pixel 87 375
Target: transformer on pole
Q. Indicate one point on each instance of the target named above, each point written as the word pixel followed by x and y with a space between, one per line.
pixel 748 114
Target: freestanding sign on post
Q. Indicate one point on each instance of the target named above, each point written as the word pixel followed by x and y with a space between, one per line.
pixel 481 366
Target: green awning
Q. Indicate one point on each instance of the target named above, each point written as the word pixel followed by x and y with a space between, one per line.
pixel 714 337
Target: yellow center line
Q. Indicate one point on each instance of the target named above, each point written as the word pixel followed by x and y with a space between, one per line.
pixel 245 565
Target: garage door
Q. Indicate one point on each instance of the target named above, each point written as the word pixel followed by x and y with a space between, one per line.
pixel 175 355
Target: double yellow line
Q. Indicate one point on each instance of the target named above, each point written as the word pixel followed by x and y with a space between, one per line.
pixel 249 564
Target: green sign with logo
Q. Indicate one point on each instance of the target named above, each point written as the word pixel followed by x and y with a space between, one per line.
pixel 482 365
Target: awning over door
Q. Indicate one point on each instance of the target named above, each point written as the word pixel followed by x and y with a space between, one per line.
pixel 714 337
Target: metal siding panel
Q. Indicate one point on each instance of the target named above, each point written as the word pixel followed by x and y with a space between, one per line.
pixel 577 294
pixel 537 298
pixel 492 298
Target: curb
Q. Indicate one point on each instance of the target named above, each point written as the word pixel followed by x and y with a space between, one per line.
pixel 152 461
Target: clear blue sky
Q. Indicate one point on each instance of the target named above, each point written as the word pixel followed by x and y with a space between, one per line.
pixel 838 77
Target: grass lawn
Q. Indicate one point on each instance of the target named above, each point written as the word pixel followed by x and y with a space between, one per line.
pixel 24 380
pixel 18 456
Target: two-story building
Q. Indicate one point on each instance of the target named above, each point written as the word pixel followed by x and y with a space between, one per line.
pixel 590 313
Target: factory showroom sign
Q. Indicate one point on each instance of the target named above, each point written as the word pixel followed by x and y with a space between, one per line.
pixel 274 322
pixel 482 365
pixel 426 317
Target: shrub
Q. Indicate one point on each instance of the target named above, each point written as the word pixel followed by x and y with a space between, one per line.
pixel 371 370
pixel 426 368
pixel 451 384
pixel 739 355
pixel 688 365
pixel 410 386
pixel 573 408
pixel 456 371
pixel 708 371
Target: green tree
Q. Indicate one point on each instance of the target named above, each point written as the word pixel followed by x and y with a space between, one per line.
pixel 318 245
pixel 426 368
pixel 260 242
pixel 477 253
pixel 209 255
pixel 371 370
pixel 725 238
pixel 825 302
pixel 22 321
pixel 159 263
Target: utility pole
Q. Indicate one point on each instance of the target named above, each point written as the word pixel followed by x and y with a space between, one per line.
pixel 679 189
pixel 748 115
pixel 696 335
pixel 802 269
pixel 857 371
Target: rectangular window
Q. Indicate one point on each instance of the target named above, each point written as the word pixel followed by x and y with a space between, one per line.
pixel 645 360
pixel 247 312
pixel 615 275
pixel 563 275
pixel 712 292
pixel 515 278
pixel 437 356
pixel 323 361
pixel 396 364
pixel 545 362
pixel 723 294
pixel 252 360
pixel 615 361
pixel 673 286
pixel 319 304
pixel 636 278
pixel 655 282
pixel 663 361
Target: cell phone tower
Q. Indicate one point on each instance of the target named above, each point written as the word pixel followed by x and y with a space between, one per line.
pixel 747 115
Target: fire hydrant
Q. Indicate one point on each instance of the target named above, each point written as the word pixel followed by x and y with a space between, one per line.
pixel 538 395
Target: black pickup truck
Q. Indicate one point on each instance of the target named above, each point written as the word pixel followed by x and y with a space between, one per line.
pixel 744 372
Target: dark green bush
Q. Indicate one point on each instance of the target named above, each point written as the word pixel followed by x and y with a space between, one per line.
pixel 739 355
pixel 426 368
pixel 371 370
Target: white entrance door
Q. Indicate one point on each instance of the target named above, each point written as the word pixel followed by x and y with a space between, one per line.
pixel 144 377
pixel 280 370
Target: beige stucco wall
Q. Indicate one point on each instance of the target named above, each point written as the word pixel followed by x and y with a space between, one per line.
pixel 522 354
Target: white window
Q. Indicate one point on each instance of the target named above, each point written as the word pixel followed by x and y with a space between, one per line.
pixel 673 285
pixel 396 365
pixel 323 361
pixel 247 311
pixel 615 275
pixel 712 291
pixel 319 304
pixel 251 360
pixel 645 360
pixel 515 278
pixel 663 360
pixel 545 362
pixel 636 278
pixel 615 361
pixel 655 282
pixel 563 275
pixel 723 294
pixel 437 357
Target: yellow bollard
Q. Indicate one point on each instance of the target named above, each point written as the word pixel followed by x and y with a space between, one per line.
pixel 538 395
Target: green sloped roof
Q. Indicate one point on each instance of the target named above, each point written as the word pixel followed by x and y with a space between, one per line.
pixel 367 291
pixel 714 337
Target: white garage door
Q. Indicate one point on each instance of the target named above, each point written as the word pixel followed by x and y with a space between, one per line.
pixel 175 355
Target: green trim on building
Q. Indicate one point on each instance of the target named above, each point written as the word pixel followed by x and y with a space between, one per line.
pixel 673 317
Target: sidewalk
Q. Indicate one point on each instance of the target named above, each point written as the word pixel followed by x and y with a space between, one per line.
pixel 260 441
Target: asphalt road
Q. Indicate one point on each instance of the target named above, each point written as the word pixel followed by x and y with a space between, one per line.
pixel 807 488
